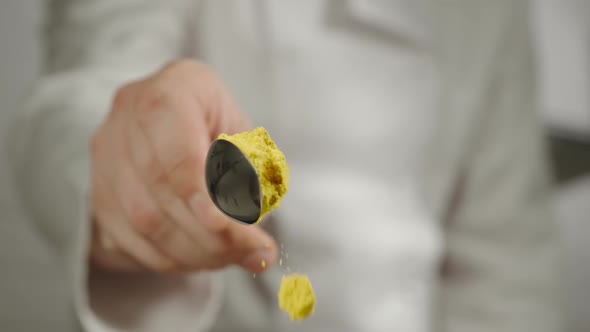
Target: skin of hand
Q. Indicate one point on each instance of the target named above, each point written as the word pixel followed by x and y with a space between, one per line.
pixel 149 202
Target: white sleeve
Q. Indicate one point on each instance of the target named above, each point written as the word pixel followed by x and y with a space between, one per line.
pixel 501 270
pixel 93 47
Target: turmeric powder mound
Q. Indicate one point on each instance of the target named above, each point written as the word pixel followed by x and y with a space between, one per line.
pixel 296 296
pixel 270 164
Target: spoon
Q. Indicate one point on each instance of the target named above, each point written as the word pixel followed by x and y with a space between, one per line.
pixel 233 182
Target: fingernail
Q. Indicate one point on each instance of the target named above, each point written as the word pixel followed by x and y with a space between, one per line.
pixel 258 261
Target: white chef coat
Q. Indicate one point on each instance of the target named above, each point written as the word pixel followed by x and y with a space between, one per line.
pixel 418 181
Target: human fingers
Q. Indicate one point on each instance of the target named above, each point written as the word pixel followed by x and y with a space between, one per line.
pixel 110 220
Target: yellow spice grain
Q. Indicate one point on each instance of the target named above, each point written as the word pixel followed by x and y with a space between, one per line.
pixel 296 296
pixel 263 264
pixel 270 164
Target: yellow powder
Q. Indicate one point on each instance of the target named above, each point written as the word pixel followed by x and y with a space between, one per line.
pixel 263 264
pixel 296 296
pixel 270 163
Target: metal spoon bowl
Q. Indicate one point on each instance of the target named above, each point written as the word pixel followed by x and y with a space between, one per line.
pixel 233 182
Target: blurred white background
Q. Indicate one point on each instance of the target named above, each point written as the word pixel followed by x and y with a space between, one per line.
pixel 563 40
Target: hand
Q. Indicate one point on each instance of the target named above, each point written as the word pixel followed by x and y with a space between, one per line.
pixel 150 206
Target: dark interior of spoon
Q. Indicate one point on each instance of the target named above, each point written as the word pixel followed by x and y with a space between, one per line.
pixel 233 182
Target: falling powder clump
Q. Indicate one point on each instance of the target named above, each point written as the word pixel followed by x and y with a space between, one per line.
pixel 270 164
pixel 296 296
